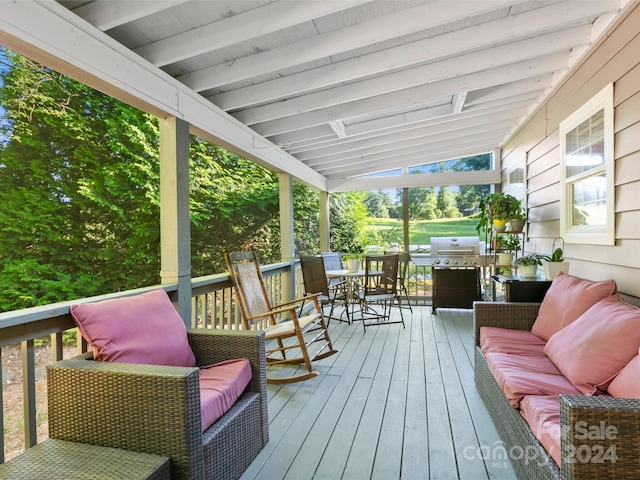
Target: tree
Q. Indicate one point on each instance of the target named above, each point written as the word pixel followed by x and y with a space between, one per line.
pixel 378 204
pixel 446 201
pixel 79 181
pixel 422 204
pixel 348 220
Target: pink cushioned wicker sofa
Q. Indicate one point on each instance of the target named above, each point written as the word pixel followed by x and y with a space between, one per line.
pixel 560 380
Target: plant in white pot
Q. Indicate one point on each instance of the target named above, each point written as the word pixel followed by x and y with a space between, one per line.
pixel 555 262
pixel 509 245
pixel 353 257
pixel 528 265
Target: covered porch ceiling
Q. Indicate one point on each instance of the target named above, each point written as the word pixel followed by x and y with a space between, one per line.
pixel 343 88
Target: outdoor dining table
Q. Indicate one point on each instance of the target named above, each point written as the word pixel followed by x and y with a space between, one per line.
pixel 353 283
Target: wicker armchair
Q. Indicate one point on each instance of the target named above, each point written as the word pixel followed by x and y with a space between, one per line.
pixel 156 409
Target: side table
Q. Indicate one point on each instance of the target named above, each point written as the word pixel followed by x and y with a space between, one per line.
pixel 514 288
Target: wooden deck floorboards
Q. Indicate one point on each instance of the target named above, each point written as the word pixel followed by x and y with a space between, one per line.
pixel 393 403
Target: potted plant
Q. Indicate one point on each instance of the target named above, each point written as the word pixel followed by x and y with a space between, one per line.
pixel 555 262
pixel 528 264
pixel 353 256
pixel 517 221
pixel 509 245
pixel 496 210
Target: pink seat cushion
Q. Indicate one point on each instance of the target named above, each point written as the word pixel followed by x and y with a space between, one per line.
pixel 542 413
pixel 221 384
pixel 505 340
pixel 141 329
pixel 520 375
pixel 627 382
pixel 568 297
pixel 593 349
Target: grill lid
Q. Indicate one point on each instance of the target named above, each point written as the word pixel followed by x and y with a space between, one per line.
pixel 455 246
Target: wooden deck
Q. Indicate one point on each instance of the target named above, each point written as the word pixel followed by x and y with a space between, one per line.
pixel 393 403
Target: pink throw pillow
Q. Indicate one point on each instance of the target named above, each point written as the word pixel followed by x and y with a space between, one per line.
pixel 141 329
pixel 627 382
pixel 592 350
pixel 568 297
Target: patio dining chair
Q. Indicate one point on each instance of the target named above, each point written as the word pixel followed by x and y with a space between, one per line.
pixel 333 261
pixel 286 331
pixel 380 288
pixel 315 280
pixel 403 275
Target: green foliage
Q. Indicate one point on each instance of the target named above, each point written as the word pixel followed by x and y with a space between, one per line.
pixel 509 242
pixel 79 176
pixel 378 204
pixel 530 259
pixel 556 256
pixel 423 204
pixel 348 220
pixel 497 205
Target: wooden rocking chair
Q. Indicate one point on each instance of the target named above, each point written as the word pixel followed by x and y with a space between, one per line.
pixel 284 328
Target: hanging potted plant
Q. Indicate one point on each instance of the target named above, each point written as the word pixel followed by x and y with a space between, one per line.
pixel 555 262
pixel 528 265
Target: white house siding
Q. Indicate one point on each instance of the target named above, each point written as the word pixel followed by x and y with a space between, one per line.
pixel 615 59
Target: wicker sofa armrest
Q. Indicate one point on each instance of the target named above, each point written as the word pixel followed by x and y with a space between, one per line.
pixel 212 346
pixel 144 408
pixel 514 315
pixel 600 437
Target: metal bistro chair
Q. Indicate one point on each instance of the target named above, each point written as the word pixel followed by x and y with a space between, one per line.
pixel 380 288
pixel 333 261
pixel 403 274
pixel 284 329
pixel 315 280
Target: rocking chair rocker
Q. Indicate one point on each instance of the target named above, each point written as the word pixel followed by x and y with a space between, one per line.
pixel 284 329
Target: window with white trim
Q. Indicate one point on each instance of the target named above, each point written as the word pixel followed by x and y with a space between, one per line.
pixel 587 212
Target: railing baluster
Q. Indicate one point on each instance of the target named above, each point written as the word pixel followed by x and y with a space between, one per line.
pixel 29 393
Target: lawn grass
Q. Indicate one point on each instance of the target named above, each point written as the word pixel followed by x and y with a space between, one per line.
pixel 421 231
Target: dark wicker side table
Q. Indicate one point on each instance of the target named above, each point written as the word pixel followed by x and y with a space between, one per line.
pixel 60 459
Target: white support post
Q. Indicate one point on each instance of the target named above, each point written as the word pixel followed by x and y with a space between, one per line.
pixel 324 229
pixel 175 227
pixel 287 243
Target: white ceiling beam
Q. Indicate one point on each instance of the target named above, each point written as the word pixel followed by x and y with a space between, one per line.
pixel 476 61
pixel 514 27
pixel 468 118
pixel 319 133
pixel 431 142
pixel 387 27
pixel 412 159
pixel 44 31
pixel 106 15
pixel 407 155
pixel 406 138
pixel 485 177
pixel 238 28
pixel 500 75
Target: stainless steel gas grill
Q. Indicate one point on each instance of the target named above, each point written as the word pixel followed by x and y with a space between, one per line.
pixel 455 268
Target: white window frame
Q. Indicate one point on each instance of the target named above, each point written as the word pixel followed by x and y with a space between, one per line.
pixel 600 234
